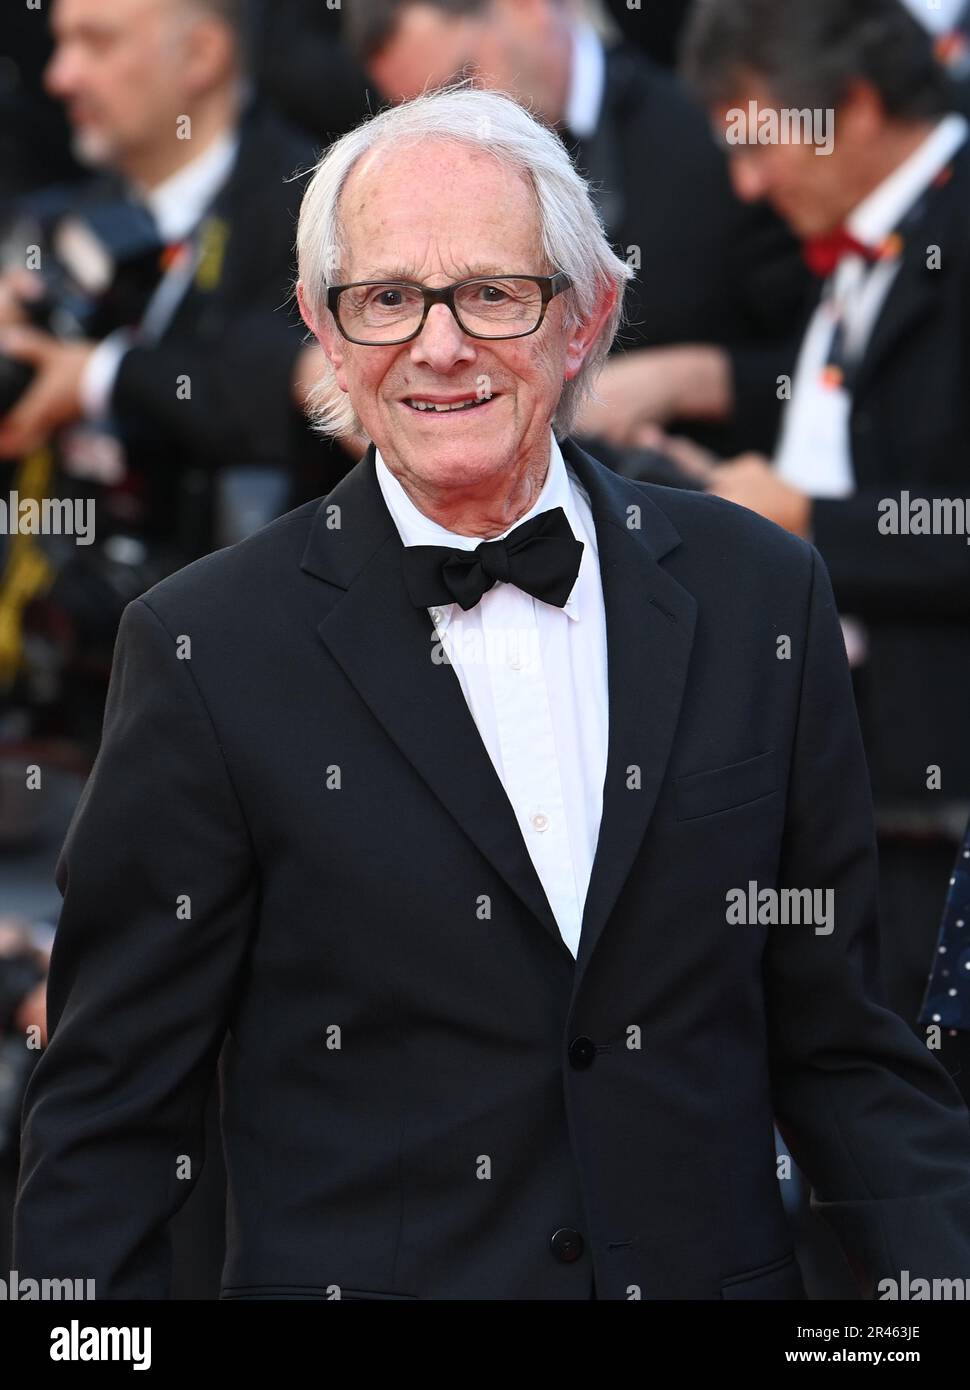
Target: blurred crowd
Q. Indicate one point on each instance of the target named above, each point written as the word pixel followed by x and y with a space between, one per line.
pixel 797 340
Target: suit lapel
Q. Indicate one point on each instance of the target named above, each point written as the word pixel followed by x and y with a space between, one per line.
pixel 649 632
pixel 384 646
pixel 918 285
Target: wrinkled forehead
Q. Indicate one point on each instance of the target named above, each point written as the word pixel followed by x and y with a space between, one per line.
pixel 438 206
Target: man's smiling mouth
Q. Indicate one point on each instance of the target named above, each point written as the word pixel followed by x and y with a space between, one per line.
pixel 441 405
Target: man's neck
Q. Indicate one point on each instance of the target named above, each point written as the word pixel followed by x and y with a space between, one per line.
pixel 487 511
pixel 885 156
pixel 152 166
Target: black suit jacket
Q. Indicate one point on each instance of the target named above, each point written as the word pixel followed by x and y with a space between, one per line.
pixel 294 843
pixel 910 431
pixel 303 66
pixel 712 269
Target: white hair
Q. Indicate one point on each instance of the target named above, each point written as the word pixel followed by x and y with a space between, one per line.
pixel 571 232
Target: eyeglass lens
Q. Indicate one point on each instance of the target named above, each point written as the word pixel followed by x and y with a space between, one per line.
pixel 492 308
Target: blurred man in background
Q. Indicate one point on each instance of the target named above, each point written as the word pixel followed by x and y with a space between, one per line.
pixel 879 416
pixel 168 369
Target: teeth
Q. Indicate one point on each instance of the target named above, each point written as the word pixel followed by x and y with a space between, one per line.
pixel 457 405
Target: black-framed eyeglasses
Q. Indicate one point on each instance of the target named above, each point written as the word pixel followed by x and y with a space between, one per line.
pixel 380 313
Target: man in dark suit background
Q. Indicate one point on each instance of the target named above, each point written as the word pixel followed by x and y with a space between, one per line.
pixel 440 801
pixel 302 66
pixel 654 28
pixel 708 269
pixel 879 416
pixel 191 362
pixel 168 387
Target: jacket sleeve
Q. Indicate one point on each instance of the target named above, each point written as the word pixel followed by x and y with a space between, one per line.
pixel 871 1116
pixel 159 897
pixel 240 409
pixel 893 574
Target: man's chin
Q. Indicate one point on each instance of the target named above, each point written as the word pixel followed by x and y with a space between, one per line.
pixel 451 460
pixel 93 149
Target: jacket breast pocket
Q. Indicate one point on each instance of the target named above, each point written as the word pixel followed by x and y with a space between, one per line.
pixel 782 1279
pixel 724 788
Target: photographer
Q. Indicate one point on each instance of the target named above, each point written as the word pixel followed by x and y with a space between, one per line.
pixel 147 312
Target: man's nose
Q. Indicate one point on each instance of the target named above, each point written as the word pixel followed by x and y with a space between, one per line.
pixel 747 178
pixel 441 341
pixel 61 74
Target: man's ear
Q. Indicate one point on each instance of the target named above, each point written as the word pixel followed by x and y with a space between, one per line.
pixel 210 52
pixel 325 334
pixel 862 112
pixel 583 335
pixel 305 314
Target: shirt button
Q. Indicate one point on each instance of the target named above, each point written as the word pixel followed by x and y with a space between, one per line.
pixel 515 662
pixel 541 821
pixel 436 615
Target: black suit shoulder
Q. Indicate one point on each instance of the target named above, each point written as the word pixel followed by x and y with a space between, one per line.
pixel 272 168
pixel 269 143
pixel 723 536
pixel 239 578
pixel 721 544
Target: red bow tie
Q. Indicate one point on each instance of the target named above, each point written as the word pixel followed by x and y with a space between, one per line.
pixel 823 253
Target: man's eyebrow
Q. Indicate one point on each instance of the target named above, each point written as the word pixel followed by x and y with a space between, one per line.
pixel 98 27
pixel 406 273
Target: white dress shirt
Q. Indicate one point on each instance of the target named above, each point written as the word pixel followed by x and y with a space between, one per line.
pixel 938 17
pixel 177 204
pixel 534 677
pixel 587 80
pixel 815 449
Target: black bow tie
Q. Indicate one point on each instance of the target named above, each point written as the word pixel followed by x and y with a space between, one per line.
pixel 541 556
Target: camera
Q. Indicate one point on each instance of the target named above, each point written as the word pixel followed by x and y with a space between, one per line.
pixel 99 262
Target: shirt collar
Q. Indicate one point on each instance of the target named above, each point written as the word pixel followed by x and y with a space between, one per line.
pixel 178 202
pixel 587 79
pixel 415 528
pixel 879 213
pixel 938 18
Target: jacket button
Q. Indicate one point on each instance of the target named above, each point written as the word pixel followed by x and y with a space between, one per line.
pixel 582 1051
pixel 566 1244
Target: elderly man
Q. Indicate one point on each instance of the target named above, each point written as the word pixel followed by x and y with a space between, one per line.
pixel 468 806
